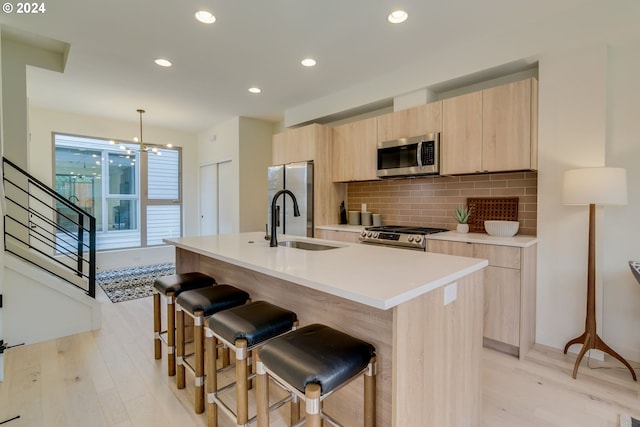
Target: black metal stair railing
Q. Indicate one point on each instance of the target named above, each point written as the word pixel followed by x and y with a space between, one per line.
pixel 39 221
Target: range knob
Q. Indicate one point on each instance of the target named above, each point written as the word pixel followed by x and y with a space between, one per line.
pixel 418 239
pixel 363 233
pixel 410 239
pixel 369 234
pixel 376 234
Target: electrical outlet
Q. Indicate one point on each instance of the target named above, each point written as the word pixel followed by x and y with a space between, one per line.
pixel 450 293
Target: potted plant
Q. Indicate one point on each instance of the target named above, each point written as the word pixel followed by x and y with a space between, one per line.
pixel 462 216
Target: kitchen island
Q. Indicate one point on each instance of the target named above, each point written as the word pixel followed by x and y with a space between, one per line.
pixel 422 311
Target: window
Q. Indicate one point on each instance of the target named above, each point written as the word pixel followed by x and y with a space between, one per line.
pixel 104 178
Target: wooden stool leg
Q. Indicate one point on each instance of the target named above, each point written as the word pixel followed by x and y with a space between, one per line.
pixel 224 356
pixel 171 334
pixel 157 326
pixel 198 340
pixel 312 407
pixel 262 393
pixel 251 365
pixel 370 394
pixel 242 393
pixel 211 377
pixel 294 409
pixel 180 347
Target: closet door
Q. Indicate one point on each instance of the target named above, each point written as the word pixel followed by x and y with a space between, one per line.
pixel 217 205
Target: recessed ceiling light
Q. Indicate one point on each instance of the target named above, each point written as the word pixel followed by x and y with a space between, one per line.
pixel 255 90
pixel 163 62
pixel 397 16
pixel 308 62
pixel 205 17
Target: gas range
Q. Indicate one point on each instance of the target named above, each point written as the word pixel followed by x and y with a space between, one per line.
pixel 401 236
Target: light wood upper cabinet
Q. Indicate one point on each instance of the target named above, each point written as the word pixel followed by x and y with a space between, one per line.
pixel 493 130
pixel 354 151
pixel 507 118
pixel 299 144
pixel 461 145
pixel 414 121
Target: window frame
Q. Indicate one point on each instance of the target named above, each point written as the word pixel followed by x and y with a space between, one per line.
pixel 141 185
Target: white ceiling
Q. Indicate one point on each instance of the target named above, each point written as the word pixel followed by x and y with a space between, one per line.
pixel 110 70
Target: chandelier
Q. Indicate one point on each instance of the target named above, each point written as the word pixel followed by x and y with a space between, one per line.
pixel 141 147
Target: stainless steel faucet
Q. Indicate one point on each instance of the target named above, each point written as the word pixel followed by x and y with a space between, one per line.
pixel 296 212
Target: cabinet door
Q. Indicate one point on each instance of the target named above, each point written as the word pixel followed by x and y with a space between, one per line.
pixel 450 248
pixel 354 151
pixel 506 131
pixel 502 305
pixel 415 121
pixel 461 141
pixel 294 145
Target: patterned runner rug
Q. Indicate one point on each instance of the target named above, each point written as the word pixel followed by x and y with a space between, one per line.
pixel 130 283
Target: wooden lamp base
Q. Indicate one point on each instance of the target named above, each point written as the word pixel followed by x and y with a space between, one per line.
pixel 590 339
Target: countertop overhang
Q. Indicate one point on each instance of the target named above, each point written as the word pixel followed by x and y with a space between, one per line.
pixel 379 277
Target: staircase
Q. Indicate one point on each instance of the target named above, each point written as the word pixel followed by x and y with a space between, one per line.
pixel 49 262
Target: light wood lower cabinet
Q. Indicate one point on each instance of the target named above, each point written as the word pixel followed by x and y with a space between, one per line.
pixel 341 236
pixel 509 292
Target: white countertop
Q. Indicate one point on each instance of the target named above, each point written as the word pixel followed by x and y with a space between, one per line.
pixel 376 276
pixel 520 241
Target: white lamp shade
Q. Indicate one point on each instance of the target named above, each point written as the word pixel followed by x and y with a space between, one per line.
pixel 600 186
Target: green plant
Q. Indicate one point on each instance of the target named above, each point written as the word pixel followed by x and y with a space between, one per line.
pixel 462 214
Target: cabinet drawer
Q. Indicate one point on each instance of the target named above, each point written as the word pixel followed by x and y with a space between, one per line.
pixel 498 256
pixel 450 248
pixel 342 236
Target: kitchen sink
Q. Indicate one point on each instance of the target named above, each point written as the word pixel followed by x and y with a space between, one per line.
pixel 307 246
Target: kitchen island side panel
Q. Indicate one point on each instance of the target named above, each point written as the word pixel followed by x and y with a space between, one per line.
pixel 437 360
pixel 311 306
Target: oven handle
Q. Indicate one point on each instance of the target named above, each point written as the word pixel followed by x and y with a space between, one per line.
pixel 419 154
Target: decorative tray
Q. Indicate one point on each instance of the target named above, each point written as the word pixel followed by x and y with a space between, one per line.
pixel 483 209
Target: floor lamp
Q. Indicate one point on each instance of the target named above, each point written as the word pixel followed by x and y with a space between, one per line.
pixel 594 186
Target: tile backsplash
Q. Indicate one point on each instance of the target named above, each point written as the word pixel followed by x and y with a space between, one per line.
pixel 431 201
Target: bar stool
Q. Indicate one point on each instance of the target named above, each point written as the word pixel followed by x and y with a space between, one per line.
pixel 200 304
pixel 313 362
pixel 243 329
pixel 171 286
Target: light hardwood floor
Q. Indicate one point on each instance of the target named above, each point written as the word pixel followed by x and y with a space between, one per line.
pixel 109 378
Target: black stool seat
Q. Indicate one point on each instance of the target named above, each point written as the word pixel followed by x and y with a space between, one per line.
pixel 316 354
pixel 255 322
pixel 178 283
pixel 212 299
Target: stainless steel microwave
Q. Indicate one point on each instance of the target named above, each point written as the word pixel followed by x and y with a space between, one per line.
pixel 419 155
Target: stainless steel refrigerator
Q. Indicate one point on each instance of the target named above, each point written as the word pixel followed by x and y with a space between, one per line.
pixel 297 178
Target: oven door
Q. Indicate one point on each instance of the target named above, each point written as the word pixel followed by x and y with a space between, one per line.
pixel 408 156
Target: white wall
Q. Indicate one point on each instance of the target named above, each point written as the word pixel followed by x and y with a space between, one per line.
pixel 621 291
pixel 572 131
pixel 43 307
pixel 44 122
pixel 588 117
pixel 247 143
